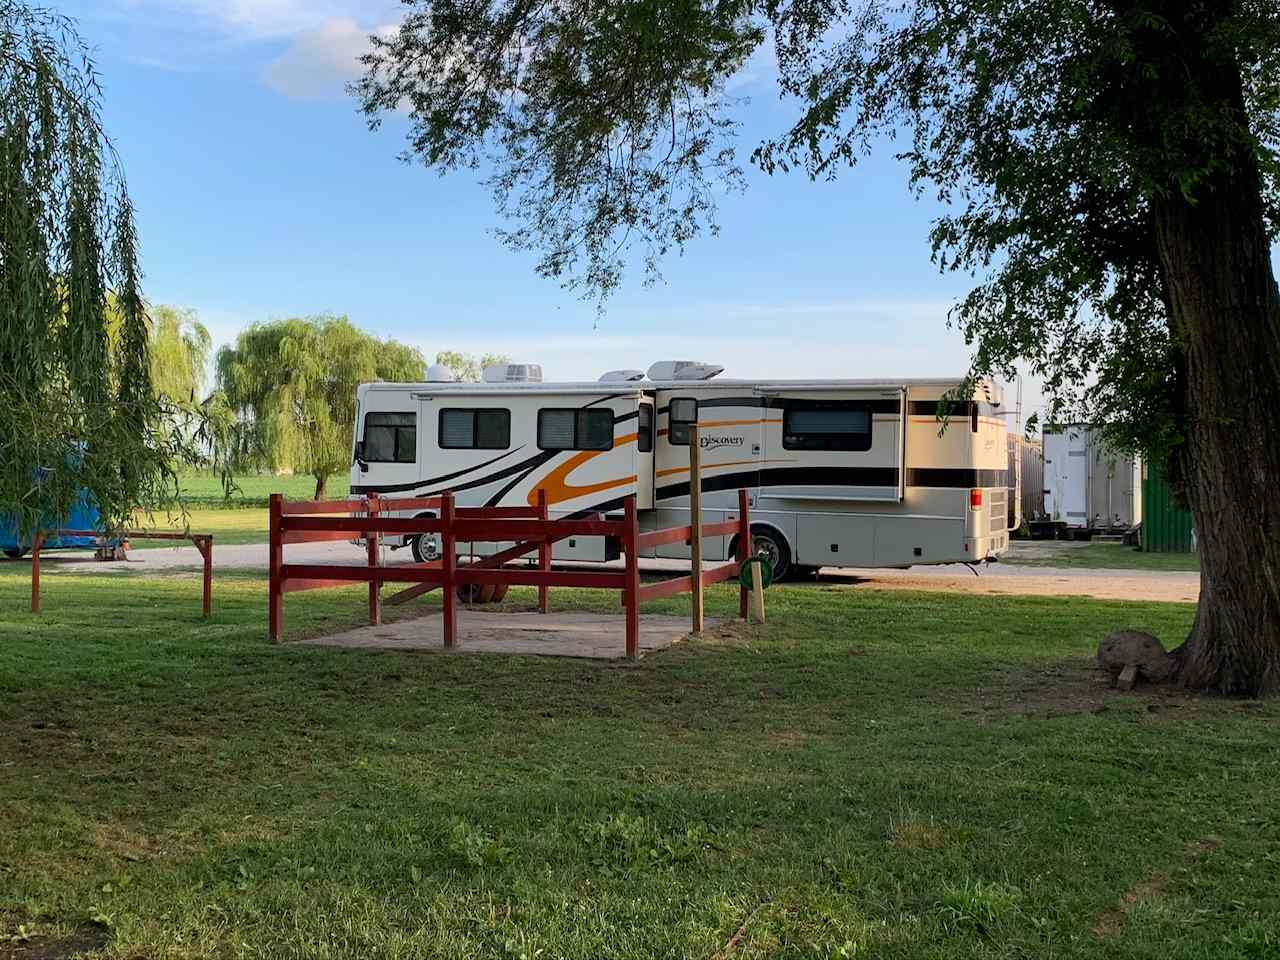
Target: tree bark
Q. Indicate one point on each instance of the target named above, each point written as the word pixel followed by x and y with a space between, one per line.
pixel 1224 309
pixel 321 483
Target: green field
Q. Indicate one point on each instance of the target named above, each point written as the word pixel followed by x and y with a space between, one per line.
pixel 205 490
pixel 869 775
pixel 1102 556
pixel 240 518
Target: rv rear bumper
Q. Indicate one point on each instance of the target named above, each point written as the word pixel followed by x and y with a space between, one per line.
pixel 982 548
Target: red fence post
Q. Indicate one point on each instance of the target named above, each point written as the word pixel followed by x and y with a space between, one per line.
pixel 372 540
pixel 449 563
pixel 744 547
pixel 37 541
pixel 275 559
pixel 544 551
pixel 631 591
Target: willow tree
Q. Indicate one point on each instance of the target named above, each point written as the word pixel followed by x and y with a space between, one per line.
pixel 78 415
pixel 467 367
pixel 1110 171
pixel 291 384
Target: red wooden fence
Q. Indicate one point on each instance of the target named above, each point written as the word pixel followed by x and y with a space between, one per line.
pixel 528 527
pixel 202 541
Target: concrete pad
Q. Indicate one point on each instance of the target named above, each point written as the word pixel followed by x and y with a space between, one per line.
pixel 596 635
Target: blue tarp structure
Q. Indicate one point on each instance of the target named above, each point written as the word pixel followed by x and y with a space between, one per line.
pixel 84 516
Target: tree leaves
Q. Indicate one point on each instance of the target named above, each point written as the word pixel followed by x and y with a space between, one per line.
pixel 1047 126
pixel 78 416
pixel 287 392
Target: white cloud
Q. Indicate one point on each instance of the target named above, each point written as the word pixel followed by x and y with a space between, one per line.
pixel 319 61
pixel 263 18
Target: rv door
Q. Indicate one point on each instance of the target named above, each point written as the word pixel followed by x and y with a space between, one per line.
pixel 646 433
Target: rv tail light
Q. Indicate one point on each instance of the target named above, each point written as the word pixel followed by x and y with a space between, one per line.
pixel 975 498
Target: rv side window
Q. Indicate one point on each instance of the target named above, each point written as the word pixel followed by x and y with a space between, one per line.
pixel 390 438
pixel 644 429
pixel 833 425
pixel 682 412
pixel 475 429
pixel 585 429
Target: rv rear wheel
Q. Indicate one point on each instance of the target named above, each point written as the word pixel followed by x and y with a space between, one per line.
pixel 15 553
pixel 773 545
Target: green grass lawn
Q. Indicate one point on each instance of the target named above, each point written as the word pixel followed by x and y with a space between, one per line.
pixel 868 775
pixel 1103 556
pixel 240 518
pixel 242 525
pixel 204 490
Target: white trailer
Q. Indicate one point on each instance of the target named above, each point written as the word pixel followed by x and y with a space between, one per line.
pixel 846 473
pixel 1088 486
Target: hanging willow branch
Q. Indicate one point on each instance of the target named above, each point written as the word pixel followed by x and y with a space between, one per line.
pixel 78 416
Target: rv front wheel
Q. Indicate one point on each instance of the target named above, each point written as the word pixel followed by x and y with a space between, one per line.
pixel 774 546
pixel 14 553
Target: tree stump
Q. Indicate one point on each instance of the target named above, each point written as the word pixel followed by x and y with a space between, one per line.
pixel 1129 654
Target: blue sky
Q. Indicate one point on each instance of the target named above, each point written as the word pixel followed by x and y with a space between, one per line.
pixel 261 194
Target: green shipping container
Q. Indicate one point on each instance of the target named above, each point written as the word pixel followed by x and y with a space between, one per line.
pixel 1166 527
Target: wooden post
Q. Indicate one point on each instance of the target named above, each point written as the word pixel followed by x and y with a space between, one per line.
pixel 744 547
pixel 372 541
pixel 695 521
pixel 631 588
pixel 449 567
pixel 757 593
pixel 544 551
pixel 37 542
pixel 205 546
pixel 275 560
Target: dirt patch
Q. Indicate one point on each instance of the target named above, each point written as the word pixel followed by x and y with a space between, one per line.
pixel 1077 686
pixel 917 835
pixel 789 737
pixel 124 843
pixel 1028 581
pixel 1148 888
pixel 89 938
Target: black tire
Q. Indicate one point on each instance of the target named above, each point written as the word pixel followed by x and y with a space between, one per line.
pixel 15 553
pixel 415 544
pixel 774 546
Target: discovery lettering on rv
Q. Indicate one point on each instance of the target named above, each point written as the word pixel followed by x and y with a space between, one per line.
pixel 715 443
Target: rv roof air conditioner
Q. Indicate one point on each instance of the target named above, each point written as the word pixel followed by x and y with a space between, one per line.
pixel 621 376
pixel 439 373
pixel 683 370
pixel 513 373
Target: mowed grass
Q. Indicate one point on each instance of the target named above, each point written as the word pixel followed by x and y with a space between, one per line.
pixel 205 490
pixel 1100 556
pixel 239 518
pixel 228 526
pixel 868 775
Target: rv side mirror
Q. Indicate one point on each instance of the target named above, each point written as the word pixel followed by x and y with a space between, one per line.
pixel 364 467
pixel 684 410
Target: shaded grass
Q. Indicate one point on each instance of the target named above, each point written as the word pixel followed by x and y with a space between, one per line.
pixel 871 774
pixel 1104 556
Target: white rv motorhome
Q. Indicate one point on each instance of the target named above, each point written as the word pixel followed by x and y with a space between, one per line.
pixel 843 473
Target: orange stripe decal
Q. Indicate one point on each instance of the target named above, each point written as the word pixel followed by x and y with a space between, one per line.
pixel 558 487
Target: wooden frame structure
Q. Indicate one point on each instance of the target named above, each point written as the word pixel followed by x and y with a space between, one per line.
pixel 202 542
pixel 528 528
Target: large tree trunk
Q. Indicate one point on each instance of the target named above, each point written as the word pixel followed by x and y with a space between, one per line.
pixel 321 483
pixel 1224 307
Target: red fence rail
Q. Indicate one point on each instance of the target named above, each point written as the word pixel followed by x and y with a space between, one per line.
pixel 203 542
pixel 529 528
